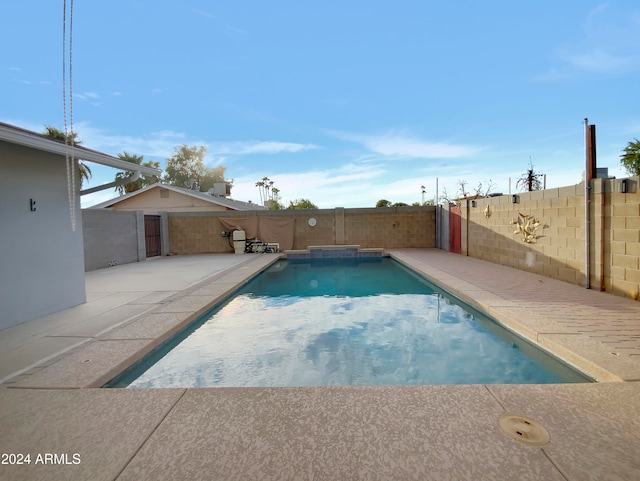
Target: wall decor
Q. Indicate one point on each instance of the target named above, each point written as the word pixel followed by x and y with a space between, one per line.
pixel 527 226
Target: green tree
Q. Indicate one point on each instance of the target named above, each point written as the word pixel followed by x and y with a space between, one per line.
pixel 383 203
pixel 143 181
pixel 301 204
pixel 185 168
pixel 631 157
pixel 530 180
pixel 274 202
pixel 71 139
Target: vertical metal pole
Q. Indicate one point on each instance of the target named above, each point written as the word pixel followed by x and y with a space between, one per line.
pixel 438 218
pixel 439 214
pixel 587 223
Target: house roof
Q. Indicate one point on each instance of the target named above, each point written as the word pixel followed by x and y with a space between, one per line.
pixel 221 201
pixel 19 136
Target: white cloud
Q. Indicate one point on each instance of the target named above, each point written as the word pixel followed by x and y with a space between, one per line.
pixel 157 145
pixel 391 144
pixel 349 185
pixel 593 16
pixel 86 96
pixel 258 147
pixel 160 145
pixel 600 61
pixel 607 45
pixel 203 13
pixel 407 147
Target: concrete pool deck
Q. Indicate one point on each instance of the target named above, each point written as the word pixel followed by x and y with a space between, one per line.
pixel 52 367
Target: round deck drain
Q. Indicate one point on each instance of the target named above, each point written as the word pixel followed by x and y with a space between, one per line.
pixel 524 430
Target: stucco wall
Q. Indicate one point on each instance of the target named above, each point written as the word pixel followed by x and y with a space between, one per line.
pixel 41 256
pixel 195 233
pixel 112 237
pixel 560 251
pixel 159 199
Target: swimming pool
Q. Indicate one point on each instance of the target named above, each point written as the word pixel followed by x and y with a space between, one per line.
pixel 343 322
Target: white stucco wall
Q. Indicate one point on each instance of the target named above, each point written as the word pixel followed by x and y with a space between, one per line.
pixel 41 257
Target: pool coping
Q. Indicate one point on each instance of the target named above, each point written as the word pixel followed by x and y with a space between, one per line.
pixel 579 344
pixel 94 363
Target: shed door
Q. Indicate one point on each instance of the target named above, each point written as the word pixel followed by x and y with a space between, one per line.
pixel 152 235
pixel 455 230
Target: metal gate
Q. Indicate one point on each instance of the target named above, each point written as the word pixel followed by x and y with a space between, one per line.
pixel 455 230
pixel 152 235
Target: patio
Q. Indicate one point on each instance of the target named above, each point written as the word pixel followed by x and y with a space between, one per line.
pixel 52 368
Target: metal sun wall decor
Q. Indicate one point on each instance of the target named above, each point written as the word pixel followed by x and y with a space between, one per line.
pixel 527 226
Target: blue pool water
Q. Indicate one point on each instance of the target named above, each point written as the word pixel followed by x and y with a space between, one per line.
pixel 344 323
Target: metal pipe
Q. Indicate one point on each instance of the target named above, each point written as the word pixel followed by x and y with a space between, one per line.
pixel 587 223
pixel 126 180
pixel 438 219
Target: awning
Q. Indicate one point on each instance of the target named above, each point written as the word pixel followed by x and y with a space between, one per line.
pixel 16 135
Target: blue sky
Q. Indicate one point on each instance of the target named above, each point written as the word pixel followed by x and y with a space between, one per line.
pixel 341 102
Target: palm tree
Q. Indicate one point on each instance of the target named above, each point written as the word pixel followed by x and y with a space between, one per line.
pixel 70 139
pixel 260 185
pixel 265 185
pixel 143 181
pixel 631 157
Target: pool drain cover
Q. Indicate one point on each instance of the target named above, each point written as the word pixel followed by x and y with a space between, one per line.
pixel 524 430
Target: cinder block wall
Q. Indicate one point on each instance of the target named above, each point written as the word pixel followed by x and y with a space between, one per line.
pixel 112 237
pixel 619 216
pixel 391 227
pixel 559 252
pixel 196 233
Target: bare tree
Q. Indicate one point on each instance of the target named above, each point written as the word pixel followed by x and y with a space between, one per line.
pixel 483 189
pixel 530 180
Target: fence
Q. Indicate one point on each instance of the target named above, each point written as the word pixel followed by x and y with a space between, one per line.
pixel 199 232
pixel 557 248
pixel 114 237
